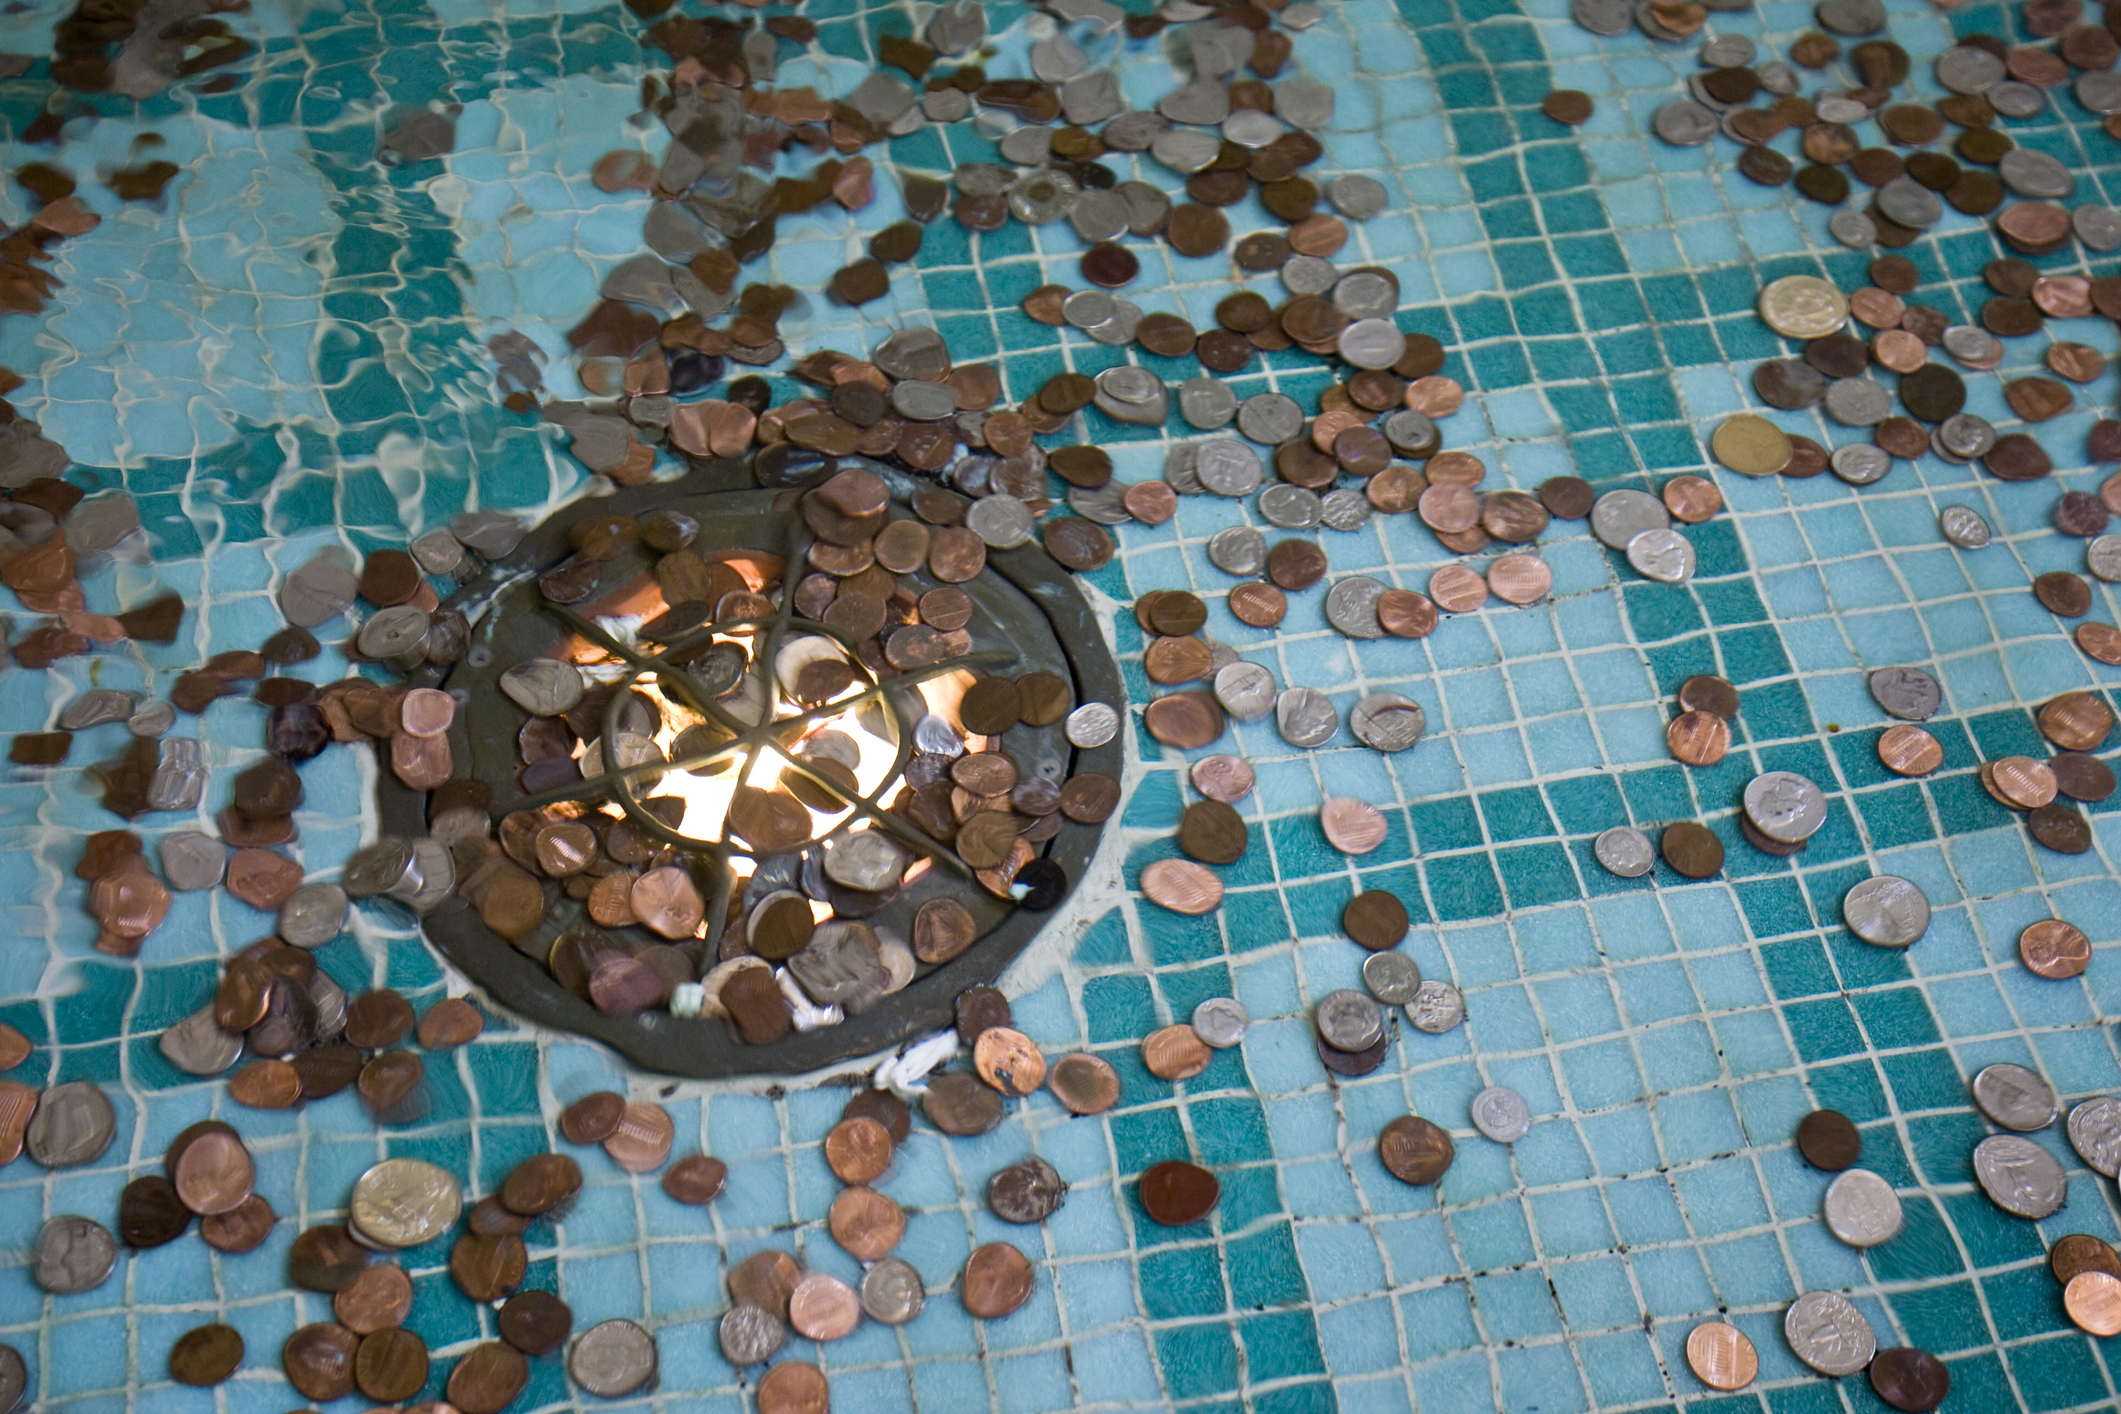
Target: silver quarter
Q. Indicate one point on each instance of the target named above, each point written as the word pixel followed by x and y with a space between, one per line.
pixel 73 1125
pixel 1091 98
pixel 1374 342
pixel 1206 403
pixel 1663 555
pixel 1349 1020
pixel 1850 17
pixel 1308 275
pixel 313 915
pixel 1362 295
pixel 1602 17
pixel 1626 851
pixel 95 707
pixel 892 1292
pixel 1002 522
pixel 1887 911
pixel 1437 1007
pixel 1355 196
pixel 916 352
pixel 1133 130
pixel 2103 558
pixel 750 1335
pixel 1351 607
pixel 1972 345
pixel 320 590
pixel 2097 226
pixel 1270 419
pixel 1238 550
pixel 2019 1176
pixel 1965 435
pixel 2018 100
pixel 1344 508
pixel 1912 204
pixel 866 861
pixel 2100 91
pixel 2032 173
pixel 1057 58
pixel 919 401
pixel 1245 690
pixel 957 26
pixel 1221 1022
pixel 613 1358
pixel 1907 693
pixel 1392 977
pixel 1860 463
pixel 1501 1114
pixel 192 860
pixel 375 868
pixel 494 534
pixel 1228 467
pixel 1828 1333
pixel 1857 402
pixel 1106 504
pixel 1182 469
pixel 1039 198
pixel 543 687
pixel 1785 806
pixel 1778 78
pixel 1862 1209
pixel 1124 394
pixel 1201 102
pixel 934 736
pixel 197 1046
pixel 1092 724
pixel 1727 51
pixel 1684 123
pixel 1085 309
pixel 2095 1133
pixel 438 552
pixel 1248 127
pixel 1028 146
pixel 1619 516
pixel 2014 1097
pixel 180 779
pixel 1964 527
pixel 1385 721
pixel 1306 717
pixel 1966 69
pixel 73 1254
pixel 1148 210
pixel 1290 507
pixel 1185 150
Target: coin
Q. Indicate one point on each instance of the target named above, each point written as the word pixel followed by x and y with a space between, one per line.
pixel 214 1174
pixel 1785 806
pixel 2019 1176
pixel 1350 1021
pixel 1887 911
pixel 2014 1097
pixel 1213 833
pixel 1175 1053
pixel 2054 949
pixel 1911 1380
pixel 1501 1114
pixel 613 1359
pixel 404 1202
pixel 1862 1209
pixel 73 1125
pixel 858 1150
pixel 1828 1333
pixel 2076 721
pixel 1083 1084
pixel 1625 851
pixel 1414 1150
pixel 892 1292
pixel 1803 307
pixel 1751 445
pixel 2093 1300
pixel 1829 1140
pixel 1221 1022
pixel 2095 1133
pixel 1026 1192
pixel 1909 751
pixel 959 1103
pixel 206 1355
pixel 1352 826
pixel 750 1335
pixel 2080 1252
pixel 1175 1193
pixel 378 1298
pixel 997 1281
pixel 72 1254
pixel 795 1386
pixel 1692 849
pixel 1721 1356
pixel 1698 738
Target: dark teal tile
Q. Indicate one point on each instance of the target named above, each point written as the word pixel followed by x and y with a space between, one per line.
pixel 1230 1131
pixel 1144 1137
pixel 1924 1080
pixel 1897 1017
pixel 1185 1281
pixel 1197 1360
pixel 1823 1029
pixel 1944 1145
pixel 1280 1345
pixel 1463 886
pixel 1798 967
pixel 1941 1318
pixel 1264 1270
pixel 1922 1250
pixel 1853 1088
pixel 1119 1008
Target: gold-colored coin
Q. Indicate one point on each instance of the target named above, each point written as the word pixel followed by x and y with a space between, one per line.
pixel 1722 1356
pixel 1803 307
pixel 1751 445
pixel 2093 1300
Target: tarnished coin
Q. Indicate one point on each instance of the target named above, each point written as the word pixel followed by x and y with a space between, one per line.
pixel 1392 977
pixel 74 1125
pixel 1888 911
pixel 1415 1150
pixel 1964 527
pixel 1862 1209
pixel 892 1292
pixel 2014 1097
pixel 1751 445
pixel 749 1335
pixel 1907 693
pixel 2095 1133
pixel 14 1379
pixel 404 1202
pixel 1350 1021
pixel 2054 949
pixel 1437 1007
pixel 2019 1176
pixel 613 1358
pixel 1375 919
pixel 1803 307
pixel 1501 1114
pixel 1385 721
pixel 72 1254
pixel 1828 1333
pixel 1626 851
pixel 1026 1192
pixel 1306 717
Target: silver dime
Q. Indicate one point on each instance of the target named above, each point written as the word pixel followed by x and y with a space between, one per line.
pixel 2095 1133
pixel 2032 173
pixel 73 1254
pixel 1121 327
pixel 1002 522
pixel 1664 555
pixel 916 352
pixel 375 868
pixel 1392 977
pixel 1344 508
pixel 14 1379
pixel 2097 226
pixel 750 1335
pixel 1912 204
pixel 1374 342
pixel 2100 91
pixel 1385 721
pixel 1290 507
pixel 313 915
pixel 2019 1176
pixel 1785 806
pixel 1411 432
pixel 1684 123
pixel 1305 102
pixel 1306 717
pixel 95 707
pixel 1206 403
pixel 1133 130
pixel 1964 527
pixel 1626 851
pixel 2014 1097
pixel 1852 228
pixel 1857 402
pixel 1027 146
pixel 1221 1022
pixel 1245 690
pixel 1972 345
pixel 1355 196
pixel 197 1046
pixel 1860 463
pixel 1349 1020
pixel 1501 1114
pixel 1308 275
pixel 1106 504
pixel 1838 106
pixel 2018 100
pixel 1185 150
pixel 1887 911
pixel 613 1358
pixel 1351 607
pixel 1602 17
pixel 1091 97
pixel 153 719
pixel 1057 58
pixel 1727 51
pixel 543 687
pixel 957 26
pixel 1437 1007
pixel 917 401
pixel 1907 693
pixel 1270 419
pixel 2103 558
pixel 1229 467
pixel 1966 69
pixel 1363 295
pixel 1965 435
pixel 1828 1333
pixel 1777 78
pixel 1086 309
pixel 192 860
pixel 1092 724
pixel 1248 127
pixel 892 1292
pixel 1200 102
pixel 1862 1209
pixel 934 736
pixel 1619 516
pixel 73 1125
pixel 1238 549
pixel 321 589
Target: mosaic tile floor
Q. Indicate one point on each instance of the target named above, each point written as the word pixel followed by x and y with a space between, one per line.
pixel 286 352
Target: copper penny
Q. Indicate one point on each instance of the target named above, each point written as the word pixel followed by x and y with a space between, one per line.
pixel 593 1118
pixel 241 1229
pixel 1176 1193
pixel 1151 502
pixel 1518 579
pixel 1228 779
pixel 1721 1356
pixel 1415 1150
pixel 1406 614
pixel 1376 920
pixel 206 1355
pixel 318 1361
pixel 2054 949
pixel 2081 1252
pixel 1898 350
pixel 214 1174
pixel 540 1184
pixel 1908 750
pixel 1084 1084
pixel 766 1280
pixel 2082 777
pixel 1435 395
pixel 1186 720
pixel 2063 593
pixel 377 1299
pixel 15 1047
pixel 866 1223
pixel 488 1268
pixel 794 1387
pixel 1705 692
pixel 488 1378
pixel 1457 589
pixel 535 1322
pixel 1213 833
pixel 2076 721
pixel 2080 363
pixel 266 1085
pixel 1175 1053
pixel 449 1023
pixel 823 1307
pixel 2099 642
pixel 858 1150
pixel 1691 849
pixel 1698 738
pixel 325 1258
pixel 1352 826
pixel 998 1280
pixel 1567 105
pixel 695 1180
pixel 1008 1060
pixel 1829 1140
pixel 2022 781
pixel 1692 499
pixel 1182 886
pixel 1260 605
